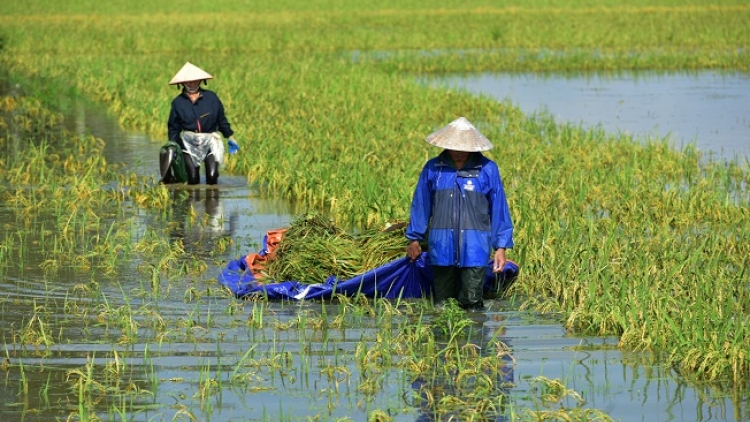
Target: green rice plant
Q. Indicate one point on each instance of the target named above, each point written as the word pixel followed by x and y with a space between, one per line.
pixel 255 319
pixel 44 391
pixel 379 416
pixel 452 320
pixel 93 388
pixel 149 364
pixel 24 381
pixel 89 390
pixel 573 415
pixel 36 331
pixel 208 387
pixel 183 414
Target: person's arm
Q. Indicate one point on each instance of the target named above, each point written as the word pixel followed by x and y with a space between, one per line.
pixel 419 219
pixel 501 222
pixel 225 128
pixel 174 125
pixel 222 122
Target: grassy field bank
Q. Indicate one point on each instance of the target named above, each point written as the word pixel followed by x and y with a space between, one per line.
pixel 627 238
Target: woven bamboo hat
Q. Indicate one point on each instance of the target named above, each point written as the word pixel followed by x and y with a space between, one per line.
pixel 459 135
pixel 188 73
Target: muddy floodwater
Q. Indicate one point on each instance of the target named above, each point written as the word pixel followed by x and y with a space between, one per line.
pixel 199 354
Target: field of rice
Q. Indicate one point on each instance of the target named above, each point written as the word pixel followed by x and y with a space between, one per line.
pixel 619 236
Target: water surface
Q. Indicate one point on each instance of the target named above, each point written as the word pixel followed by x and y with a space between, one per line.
pixel 708 109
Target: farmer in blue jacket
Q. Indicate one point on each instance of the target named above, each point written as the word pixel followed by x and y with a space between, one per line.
pixel 459 207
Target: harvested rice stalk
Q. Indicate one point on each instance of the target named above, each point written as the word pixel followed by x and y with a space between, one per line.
pixel 313 248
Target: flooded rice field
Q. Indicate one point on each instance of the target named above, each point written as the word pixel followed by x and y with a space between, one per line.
pixel 707 109
pixel 129 346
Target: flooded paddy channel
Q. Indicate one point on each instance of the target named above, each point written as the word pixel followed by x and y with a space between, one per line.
pixel 145 349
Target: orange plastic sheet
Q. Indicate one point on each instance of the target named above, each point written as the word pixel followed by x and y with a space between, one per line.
pixel 256 262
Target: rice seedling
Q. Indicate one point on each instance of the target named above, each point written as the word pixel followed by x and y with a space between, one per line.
pixel 24 382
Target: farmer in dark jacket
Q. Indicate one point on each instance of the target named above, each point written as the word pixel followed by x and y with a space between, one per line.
pixel 459 207
pixel 196 123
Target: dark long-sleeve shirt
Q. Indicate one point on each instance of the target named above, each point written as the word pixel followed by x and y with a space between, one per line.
pixel 206 115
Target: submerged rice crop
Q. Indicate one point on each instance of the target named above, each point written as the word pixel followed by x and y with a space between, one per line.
pixel 103 347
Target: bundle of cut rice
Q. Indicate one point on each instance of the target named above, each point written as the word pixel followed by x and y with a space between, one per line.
pixel 313 248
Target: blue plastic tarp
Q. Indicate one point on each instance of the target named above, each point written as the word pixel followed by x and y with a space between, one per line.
pixel 399 278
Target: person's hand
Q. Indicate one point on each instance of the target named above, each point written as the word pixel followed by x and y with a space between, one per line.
pixel 413 250
pixel 233 146
pixel 500 261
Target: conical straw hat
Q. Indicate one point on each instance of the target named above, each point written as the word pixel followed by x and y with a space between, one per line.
pixel 459 135
pixel 190 72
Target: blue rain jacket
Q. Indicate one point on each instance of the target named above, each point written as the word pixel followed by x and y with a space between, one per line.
pixel 462 212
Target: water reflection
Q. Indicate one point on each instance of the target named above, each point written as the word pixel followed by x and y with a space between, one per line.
pixel 493 384
pixel 709 109
pixel 199 219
